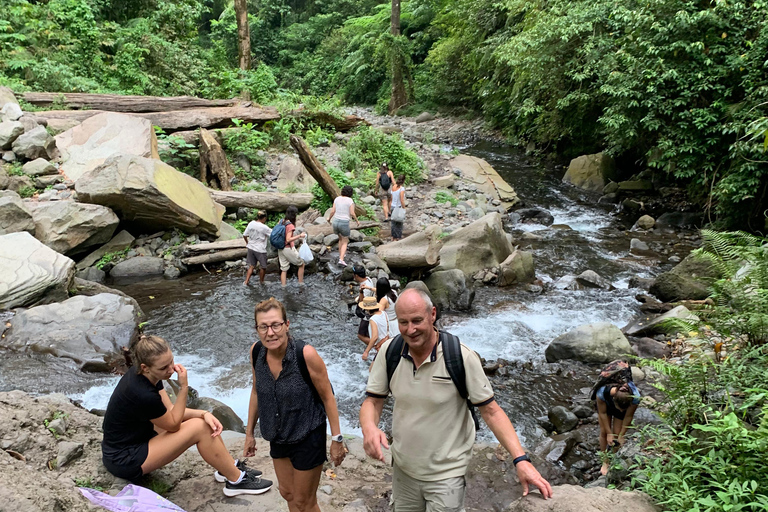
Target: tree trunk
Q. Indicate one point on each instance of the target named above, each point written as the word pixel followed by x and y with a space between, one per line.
pixel 318 172
pixel 237 243
pixel 216 257
pixel 177 120
pixel 243 35
pixel 399 97
pixel 118 103
pixel 269 201
pixel 340 124
pixel 214 166
pixel 420 250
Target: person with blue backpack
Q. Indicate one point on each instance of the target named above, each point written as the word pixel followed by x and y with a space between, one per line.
pixel 282 238
pixel 436 383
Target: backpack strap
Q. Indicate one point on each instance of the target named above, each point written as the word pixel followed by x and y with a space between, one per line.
pixel 304 370
pixel 394 353
pixel 454 363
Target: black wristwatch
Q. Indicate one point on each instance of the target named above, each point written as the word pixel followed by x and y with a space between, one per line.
pixel 520 459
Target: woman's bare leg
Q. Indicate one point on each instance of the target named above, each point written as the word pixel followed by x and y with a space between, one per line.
pixel 298 488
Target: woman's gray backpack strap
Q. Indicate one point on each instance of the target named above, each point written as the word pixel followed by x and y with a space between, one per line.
pixel 454 363
pixel 303 369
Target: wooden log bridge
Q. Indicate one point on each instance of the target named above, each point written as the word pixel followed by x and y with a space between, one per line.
pixel 317 170
pixel 120 103
pixel 269 201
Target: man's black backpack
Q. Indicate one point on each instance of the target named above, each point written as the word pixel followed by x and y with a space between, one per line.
pixel 454 363
pixel 384 181
pixel 300 361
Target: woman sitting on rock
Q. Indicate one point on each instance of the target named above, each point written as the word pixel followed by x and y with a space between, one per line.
pixel 616 406
pixel 144 431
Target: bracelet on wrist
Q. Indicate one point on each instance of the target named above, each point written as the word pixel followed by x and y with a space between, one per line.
pixel 521 458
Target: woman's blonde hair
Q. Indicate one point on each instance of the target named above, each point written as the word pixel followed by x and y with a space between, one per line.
pixel 145 350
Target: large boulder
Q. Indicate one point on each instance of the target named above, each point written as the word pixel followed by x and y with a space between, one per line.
pixel 591 279
pixel 7 96
pixel 88 330
pixel 9 132
pixel 39 167
pixel 690 279
pixel 89 144
pixel 449 290
pixel 151 195
pixel 648 348
pixel 36 143
pixel 485 178
pixel 536 216
pixel 119 242
pixel 482 244
pixel 591 172
pixel 293 174
pixel 517 268
pixel 650 325
pixel 71 228
pixel 224 413
pixel 574 498
pixel 14 216
pixel 601 342
pixel 31 273
pixel 139 267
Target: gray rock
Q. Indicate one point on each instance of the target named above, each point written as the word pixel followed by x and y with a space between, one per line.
pixel 92 288
pixel 637 246
pixel 583 410
pixel 14 216
pixel 591 279
pixel 476 213
pixel 447 181
pixel 647 325
pixel 357 505
pixel 88 330
pixel 11 112
pixel 480 245
pixel 72 228
pixel 359 246
pixel 648 348
pixel 644 416
pixel 331 239
pixel 139 267
pixel 224 413
pixel 9 156
pixel 599 342
pixel 34 144
pixel 58 426
pixel 536 216
pixel 31 273
pixel 688 280
pixel 449 290
pixel 562 419
pixel 9 132
pixel 424 117
pixel 68 451
pixel 645 222
pixel 517 268
pixel 43 182
pixel 92 274
pixel 356 236
pixel 119 242
pixel 171 272
pixel 594 498
pixel 591 172
pixel 680 220
pixel 292 174
pixel 617 472
pixel 39 167
pixel 608 199
pixel 369 200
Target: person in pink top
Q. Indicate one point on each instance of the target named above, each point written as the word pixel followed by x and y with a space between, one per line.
pixel 289 255
pixel 343 208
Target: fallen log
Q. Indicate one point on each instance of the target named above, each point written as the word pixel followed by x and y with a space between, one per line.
pixel 420 250
pixel 216 257
pixel 317 170
pixel 176 120
pixel 214 165
pixel 269 201
pixel 237 243
pixel 120 103
pixel 339 123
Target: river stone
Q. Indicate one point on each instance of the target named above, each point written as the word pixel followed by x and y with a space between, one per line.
pixel 645 222
pixel 31 273
pixel 88 330
pixel 591 172
pixel 688 280
pixel 151 195
pixel 293 175
pixel 574 498
pixel 680 220
pixel 119 242
pixel 11 112
pixel 68 451
pixel 517 268
pixel 480 245
pixel 71 228
pixel 228 232
pixel 562 419
pixel 424 117
pixel 330 240
pixel 7 96
pixel 224 413
pixel 485 179
pixel 39 167
pixel 89 144
pixel 91 288
pixel 648 326
pixel 34 144
pixel 536 216
pixel 449 290
pixel 92 274
pixel 591 279
pixel 139 267
pixel 14 216
pixel 600 342
pixel 648 348
pixel 444 181
pixel 9 132
pixel 637 246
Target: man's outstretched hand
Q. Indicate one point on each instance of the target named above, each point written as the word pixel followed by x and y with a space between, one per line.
pixel 528 475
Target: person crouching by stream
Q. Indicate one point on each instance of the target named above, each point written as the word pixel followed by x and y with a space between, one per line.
pixel 292 397
pixel 144 431
pixel 616 406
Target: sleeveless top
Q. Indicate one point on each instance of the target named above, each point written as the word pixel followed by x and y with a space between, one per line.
pixel 288 409
pixel 396 198
pixel 390 311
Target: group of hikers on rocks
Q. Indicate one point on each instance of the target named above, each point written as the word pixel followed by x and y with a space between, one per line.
pixel 284 237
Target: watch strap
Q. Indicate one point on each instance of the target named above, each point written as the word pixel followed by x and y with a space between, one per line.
pixel 520 459
pixel 337 438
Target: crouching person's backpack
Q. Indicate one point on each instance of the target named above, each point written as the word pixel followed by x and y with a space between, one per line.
pixel 617 372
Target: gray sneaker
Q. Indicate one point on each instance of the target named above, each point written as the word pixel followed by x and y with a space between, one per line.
pixel 239 464
pixel 250 484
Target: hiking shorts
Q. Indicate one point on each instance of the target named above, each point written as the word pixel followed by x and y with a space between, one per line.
pixel 289 256
pixel 126 463
pixel 383 194
pixel 256 257
pixel 340 227
pixel 412 495
pixel 306 454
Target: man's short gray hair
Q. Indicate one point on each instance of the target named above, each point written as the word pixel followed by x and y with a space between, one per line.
pixel 424 296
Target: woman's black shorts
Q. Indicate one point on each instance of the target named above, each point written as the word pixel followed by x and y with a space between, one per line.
pixel 127 462
pixel 306 454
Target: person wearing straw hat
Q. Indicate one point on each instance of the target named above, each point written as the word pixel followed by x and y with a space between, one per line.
pixel 380 329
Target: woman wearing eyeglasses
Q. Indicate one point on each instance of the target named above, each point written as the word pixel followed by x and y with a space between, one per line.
pixel 291 396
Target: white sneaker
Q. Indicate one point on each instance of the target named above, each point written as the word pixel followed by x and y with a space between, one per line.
pixel 239 464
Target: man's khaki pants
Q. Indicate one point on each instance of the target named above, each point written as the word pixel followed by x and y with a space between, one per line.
pixel 411 495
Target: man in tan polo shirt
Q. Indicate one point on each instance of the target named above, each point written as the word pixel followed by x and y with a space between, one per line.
pixel 432 428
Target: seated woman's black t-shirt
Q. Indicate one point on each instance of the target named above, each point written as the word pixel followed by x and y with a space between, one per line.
pixel 133 404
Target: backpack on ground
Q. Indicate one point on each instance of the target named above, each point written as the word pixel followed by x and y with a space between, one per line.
pixel 277 236
pixel 454 363
pixel 617 372
pixel 299 345
pixel 384 181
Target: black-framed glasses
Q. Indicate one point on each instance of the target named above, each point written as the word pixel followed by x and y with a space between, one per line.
pixel 276 327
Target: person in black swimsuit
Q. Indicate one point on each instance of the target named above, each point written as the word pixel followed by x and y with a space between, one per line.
pixel 292 398
pixel 144 431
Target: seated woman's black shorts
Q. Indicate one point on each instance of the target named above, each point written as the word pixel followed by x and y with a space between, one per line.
pixel 126 463
pixel 306 454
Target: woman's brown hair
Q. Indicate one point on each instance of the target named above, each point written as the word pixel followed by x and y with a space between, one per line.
pixel 267 305
pixel 145 350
